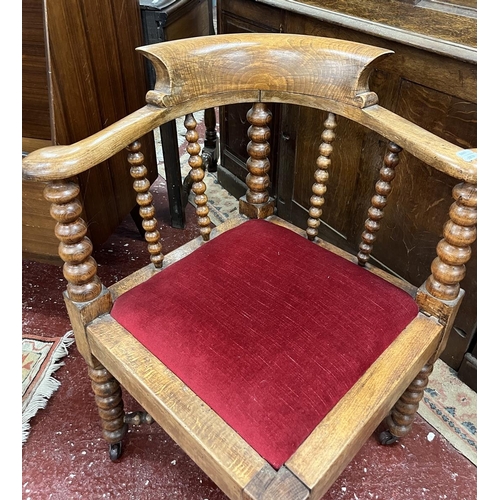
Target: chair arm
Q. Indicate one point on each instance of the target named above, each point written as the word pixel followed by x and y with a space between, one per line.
pixel 63 162
pixel 426 146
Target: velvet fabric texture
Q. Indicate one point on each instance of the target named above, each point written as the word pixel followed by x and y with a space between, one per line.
pixel 268 328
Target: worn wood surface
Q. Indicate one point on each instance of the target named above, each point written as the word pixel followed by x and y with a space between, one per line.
pixel 341 434
pixel 312 87
pixel 441 30
pixel 340 431
pixel 335 441
pixel 201 433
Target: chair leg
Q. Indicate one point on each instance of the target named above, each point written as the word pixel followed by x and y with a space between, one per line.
pixel 210 151
pixel 402 416
pixel 108 397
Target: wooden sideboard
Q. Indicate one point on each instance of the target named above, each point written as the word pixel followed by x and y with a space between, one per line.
pixel 430 79
pixel 80 72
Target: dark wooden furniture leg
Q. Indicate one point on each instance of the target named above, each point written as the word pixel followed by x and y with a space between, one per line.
pixel 211 145
pixel 210 151
pixel 108 397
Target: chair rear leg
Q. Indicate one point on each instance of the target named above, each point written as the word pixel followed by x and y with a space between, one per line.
pixel 402 416
pixel 108 397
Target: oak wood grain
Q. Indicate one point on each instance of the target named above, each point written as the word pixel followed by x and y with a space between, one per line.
pixel 429 80
pixel 171 61
pixel 335 441
pixel 201 433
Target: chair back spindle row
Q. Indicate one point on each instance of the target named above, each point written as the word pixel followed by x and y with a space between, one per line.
pixel 448 269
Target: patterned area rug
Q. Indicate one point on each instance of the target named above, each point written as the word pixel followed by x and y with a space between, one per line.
pixel 41 358
pixel 448 405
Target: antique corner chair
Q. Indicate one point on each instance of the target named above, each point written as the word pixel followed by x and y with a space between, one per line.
pixel 305 348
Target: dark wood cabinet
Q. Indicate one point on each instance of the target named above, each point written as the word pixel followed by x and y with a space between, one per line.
pixel 430 79
pixel 165 20
pixel 80 73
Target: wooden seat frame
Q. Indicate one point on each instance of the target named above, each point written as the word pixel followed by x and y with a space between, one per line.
pixel 194 74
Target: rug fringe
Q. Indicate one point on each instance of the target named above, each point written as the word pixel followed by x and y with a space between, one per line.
pixel 48 385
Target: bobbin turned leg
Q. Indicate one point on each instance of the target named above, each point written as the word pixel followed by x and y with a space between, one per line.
pixel 108 397
pixel 402 416
pixel 447 269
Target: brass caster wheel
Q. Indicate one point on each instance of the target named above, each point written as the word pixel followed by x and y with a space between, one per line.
pixel 386 438
pixel 115 451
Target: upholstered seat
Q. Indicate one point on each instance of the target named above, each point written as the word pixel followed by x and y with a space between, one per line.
pixel 267 353
pixel 325 321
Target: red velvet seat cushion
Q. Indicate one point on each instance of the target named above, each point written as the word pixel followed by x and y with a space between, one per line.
pixel 269 329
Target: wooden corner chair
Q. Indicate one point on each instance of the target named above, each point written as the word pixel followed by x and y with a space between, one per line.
pixel 304 348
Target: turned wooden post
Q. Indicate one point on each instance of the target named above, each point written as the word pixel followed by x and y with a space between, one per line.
pixel 454 250
pixel 75 248
pixel 108 397
pixel 321 177
pixel 400 420
pixel 80 270
pixel 144 199
pixel 197 174
pixel 375 213
pixel 257 204
pixel 447 269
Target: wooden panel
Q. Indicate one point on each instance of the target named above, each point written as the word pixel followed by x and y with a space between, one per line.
pixel 455 120
pixel 35 94
pixel 187 18
pixel 94 77
pixel 98 78
pixel 38 239
pixel 432 29
pixel 446 74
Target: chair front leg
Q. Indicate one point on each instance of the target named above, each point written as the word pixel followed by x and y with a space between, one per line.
pixel 108 397
pixel 402 415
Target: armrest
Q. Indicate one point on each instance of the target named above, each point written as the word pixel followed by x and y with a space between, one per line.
pixel 62 162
